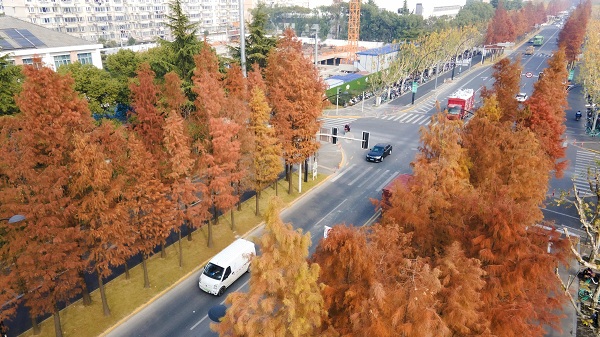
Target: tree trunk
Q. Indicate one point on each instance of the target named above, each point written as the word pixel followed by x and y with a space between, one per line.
pixel 163 252
pixel 276 187
pixel 145 269
pixel 306 170
pixel 232 220
pixel 290 185
pixel 35 326
pixel 215 213
pixel 239 201
pixel 127 271
pixel 189 236
pixel 209 240
pixel 257 197
pixel 105 307
pixel 85 293
pixel 288 169
pixel 180 250
pixel 57 328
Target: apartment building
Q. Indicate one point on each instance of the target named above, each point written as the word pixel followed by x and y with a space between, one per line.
pixel 23 42
pixel 119 20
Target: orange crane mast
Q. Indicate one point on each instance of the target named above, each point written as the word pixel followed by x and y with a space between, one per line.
pixel 353 30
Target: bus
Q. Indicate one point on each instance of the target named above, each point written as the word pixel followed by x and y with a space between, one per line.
pixel 538 40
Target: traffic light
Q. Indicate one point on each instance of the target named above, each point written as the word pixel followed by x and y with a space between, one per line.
pixel 365 141
pixel 334 133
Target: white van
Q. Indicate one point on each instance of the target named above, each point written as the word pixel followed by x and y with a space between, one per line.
pixel 226 267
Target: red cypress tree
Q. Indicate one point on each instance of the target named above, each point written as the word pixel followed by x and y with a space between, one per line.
pixel 96 190
pixel 147 120
pixel 572 35
pixel 238 110
pixel 150 209
pixel 295 92
pixel 547 107
pixel 430 204
pixel 505 207
pixel 179 174
pixel 507 76
pixel 346 257
pixel 173 98
pixel 219 148
pixel 500 28
pixel 462 281
pixel 44 249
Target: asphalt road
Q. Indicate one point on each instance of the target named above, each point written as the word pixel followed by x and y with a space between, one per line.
pixel 346 197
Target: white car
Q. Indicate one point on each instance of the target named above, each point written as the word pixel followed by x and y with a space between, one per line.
pixel 521 97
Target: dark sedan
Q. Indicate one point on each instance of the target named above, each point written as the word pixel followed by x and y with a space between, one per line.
pixel 379 152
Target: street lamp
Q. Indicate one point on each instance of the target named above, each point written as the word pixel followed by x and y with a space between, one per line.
pixel 456 56
pixel 337 101
pixel 415 84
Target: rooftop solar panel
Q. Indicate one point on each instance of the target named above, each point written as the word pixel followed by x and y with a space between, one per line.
pixel 14 35
pixel 4 45
pixel 32 38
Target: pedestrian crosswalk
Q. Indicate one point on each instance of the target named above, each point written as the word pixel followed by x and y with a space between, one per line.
pixel 328 123
pixel 409 118
pixel 584 160
pixel 370 179
pixel 540 54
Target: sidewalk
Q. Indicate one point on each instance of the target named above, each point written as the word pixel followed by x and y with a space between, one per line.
pixel 403 103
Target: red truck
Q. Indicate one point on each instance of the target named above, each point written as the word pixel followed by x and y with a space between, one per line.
pixel 460 103
pixel 386 192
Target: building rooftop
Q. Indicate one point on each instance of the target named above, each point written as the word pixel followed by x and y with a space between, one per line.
pixel 17 34
pixel 390 48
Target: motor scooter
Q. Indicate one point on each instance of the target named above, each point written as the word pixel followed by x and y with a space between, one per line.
pixel 578 115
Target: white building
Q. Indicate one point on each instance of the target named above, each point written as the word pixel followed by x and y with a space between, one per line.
pixel 376 59
pixel 118 20
pixel 23 41
pixel 428 8
pixel 143 20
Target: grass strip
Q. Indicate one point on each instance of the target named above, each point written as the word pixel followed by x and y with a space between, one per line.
pixel 126 296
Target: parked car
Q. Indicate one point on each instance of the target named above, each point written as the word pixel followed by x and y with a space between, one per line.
pixel 379 152
pixel 521 97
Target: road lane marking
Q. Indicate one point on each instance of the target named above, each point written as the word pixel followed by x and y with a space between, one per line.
pixel 326 215
pixel 341 174
pixel 559 213
pixel 376 180
pixel 360 176
pixel 387 181
pixel 222 302
pixel 365 181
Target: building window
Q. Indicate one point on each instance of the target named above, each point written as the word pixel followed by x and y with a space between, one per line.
pixel 85 58
pixel 28 61
pixel 61 60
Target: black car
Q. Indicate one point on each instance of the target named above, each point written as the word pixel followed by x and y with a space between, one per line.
pixel 379 151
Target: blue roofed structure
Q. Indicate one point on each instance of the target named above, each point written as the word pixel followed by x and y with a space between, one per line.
pixel 377 59
pixel 383 50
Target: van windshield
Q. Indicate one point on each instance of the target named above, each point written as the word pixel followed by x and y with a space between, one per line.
pixel 213 271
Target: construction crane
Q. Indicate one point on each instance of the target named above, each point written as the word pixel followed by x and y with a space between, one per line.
pixel 353 29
